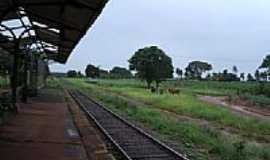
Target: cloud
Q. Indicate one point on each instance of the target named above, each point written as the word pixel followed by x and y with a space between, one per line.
pixel 224 32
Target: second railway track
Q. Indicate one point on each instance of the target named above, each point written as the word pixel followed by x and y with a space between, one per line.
pixel 132 142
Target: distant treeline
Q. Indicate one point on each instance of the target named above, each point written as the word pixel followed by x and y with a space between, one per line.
pixel 96 72
pixel 153 65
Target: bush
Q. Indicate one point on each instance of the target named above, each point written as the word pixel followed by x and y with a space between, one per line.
pixel 72 73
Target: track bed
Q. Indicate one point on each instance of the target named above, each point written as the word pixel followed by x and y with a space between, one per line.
pixel 132 142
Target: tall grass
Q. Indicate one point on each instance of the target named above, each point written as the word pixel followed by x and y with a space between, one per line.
pixel 253 92
pixel 187 104
pixel 254 88
pixel 201 142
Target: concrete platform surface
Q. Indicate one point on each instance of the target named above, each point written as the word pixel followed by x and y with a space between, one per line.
pixel 43 130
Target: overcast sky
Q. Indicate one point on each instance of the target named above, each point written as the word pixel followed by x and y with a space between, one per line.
pixel 222 32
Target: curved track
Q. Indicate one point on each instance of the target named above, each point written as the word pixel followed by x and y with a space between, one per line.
pixel 132 142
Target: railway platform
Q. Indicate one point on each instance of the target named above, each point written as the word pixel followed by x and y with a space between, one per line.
pixel 50 127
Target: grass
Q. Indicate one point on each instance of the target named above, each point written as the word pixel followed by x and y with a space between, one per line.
pixel 53 83
pixel 205 141
pixel 258 100
pixel 187 104
pixel 240 89
pixel 254 92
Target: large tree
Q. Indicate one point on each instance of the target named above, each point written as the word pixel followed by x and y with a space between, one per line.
pixel 92 71
pixel 195 69
pixel 151 64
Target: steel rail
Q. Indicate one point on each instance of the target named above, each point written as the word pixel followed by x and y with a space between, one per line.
pixel 99 126
pixel 140 131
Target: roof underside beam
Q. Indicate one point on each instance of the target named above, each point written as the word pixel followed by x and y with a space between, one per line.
pixel 60 23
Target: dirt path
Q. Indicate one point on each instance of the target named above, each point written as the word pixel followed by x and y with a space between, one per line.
pixel 239 109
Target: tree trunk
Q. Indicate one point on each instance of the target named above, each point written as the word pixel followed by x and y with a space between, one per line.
pixel 157 85
pixel 148 84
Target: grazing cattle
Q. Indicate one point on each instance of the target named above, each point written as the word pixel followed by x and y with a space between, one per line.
pixel 173 91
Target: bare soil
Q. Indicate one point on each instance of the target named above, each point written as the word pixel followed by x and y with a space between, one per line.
pixel 225 130
pixel 240 107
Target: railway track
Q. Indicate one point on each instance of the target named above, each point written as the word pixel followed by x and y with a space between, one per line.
pixel 132 142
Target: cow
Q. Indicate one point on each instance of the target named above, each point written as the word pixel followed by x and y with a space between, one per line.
pixel 173 91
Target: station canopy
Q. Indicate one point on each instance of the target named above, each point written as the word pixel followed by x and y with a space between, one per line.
pixel 55 26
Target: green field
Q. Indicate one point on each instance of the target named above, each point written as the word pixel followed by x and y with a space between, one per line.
pixel 201 130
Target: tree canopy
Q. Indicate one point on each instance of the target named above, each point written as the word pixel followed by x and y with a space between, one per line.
pixel 72 73
pixel 242 76
pixel 225 76
pixel 151 64
pixel 195 69
pixel 92 71
pixel 235 69
pixel 257 75
pixel 250 77
pixel 103 73
pixel 266 63
pixel 120 72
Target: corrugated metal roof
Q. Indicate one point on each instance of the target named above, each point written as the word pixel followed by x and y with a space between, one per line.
pixel 60 23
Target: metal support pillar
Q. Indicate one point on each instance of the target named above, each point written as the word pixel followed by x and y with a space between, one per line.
pixel 25 77
pixel 35 75
pixel 14 78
